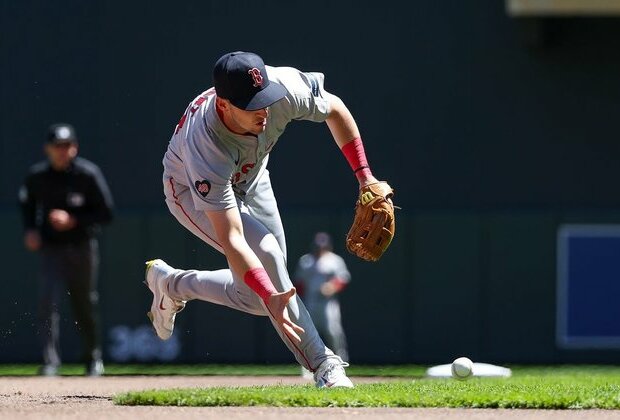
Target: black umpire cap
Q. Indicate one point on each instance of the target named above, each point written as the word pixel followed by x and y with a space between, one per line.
pixel 61 133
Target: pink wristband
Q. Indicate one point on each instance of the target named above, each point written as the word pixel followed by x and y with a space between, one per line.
pixel 338 283
pixel 258 280
pixel 354 152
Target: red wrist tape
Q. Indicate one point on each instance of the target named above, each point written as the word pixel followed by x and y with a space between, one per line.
pixel 338 283
pixel 258 280
pixel 354 152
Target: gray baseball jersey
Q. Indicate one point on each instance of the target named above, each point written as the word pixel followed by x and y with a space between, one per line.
pixel 217 164
pixel 313 272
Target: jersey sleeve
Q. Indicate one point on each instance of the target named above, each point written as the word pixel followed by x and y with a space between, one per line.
pixel 301 272
pixel 306 98
pixel 27 203
pixel 340 270
pixel 99 202
pixel 208 176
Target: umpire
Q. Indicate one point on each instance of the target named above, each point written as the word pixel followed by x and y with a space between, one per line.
pixel 64 200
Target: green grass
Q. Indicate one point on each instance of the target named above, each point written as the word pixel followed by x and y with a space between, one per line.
pixel 548 392
pixel 548 387
pixel 558 387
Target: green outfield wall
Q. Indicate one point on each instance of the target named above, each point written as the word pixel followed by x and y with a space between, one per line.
pixel 451 284
pixel 493 131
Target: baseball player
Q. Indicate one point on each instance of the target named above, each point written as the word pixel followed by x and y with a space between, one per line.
pixel 217 185
pixel 320 276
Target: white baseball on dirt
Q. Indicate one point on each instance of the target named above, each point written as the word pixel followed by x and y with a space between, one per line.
pixel 462 368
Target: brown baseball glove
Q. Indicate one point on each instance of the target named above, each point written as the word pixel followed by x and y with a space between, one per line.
pixel 373 224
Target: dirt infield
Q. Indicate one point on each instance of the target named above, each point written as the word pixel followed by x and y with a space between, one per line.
pixel 91 398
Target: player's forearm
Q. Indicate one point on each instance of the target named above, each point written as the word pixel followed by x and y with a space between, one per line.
pixel 347 136
pixel 239 255
pixel 246 264
pixel 341 123
pixel 242 259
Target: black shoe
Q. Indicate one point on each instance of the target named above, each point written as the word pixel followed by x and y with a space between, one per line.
pixel 48 370
pixel 95 368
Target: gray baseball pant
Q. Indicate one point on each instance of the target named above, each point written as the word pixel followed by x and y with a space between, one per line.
pixel 264 233
pixel 328 322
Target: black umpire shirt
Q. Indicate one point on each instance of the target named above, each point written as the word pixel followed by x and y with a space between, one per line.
pixel 81 191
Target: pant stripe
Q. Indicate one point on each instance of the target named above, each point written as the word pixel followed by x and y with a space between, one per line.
pixel 176 201
pixel 301 353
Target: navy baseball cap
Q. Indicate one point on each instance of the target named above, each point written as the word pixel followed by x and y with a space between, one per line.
pixel 61 133
pixel 241 78
pixel 322 241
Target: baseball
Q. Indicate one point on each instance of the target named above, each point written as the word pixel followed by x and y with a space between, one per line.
pixel 462 368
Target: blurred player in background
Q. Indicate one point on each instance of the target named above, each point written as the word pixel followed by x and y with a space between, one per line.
pixel 217 185
pixel 320 276
pixel 64 200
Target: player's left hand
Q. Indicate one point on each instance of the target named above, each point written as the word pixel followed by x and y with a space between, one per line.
pixel 277 307
pixel 373 223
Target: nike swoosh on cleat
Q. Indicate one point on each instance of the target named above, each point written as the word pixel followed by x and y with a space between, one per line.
pixel 327 383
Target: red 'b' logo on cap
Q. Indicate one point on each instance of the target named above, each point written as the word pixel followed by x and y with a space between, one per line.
pixel 256 76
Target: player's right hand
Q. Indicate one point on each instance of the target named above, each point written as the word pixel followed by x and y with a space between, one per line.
pixel 277 307
pixel 61 220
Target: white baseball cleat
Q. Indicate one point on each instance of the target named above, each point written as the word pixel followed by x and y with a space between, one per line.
pixel 164 308
pixel 306 374
pixel 331 374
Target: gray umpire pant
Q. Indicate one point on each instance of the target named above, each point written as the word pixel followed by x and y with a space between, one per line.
pixel 70 268
pixel 263 231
